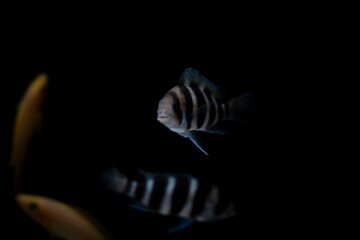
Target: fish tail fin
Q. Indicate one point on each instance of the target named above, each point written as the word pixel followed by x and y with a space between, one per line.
pixel 112 179
pixel 241 108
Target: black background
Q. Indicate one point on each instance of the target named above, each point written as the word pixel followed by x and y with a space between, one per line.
pixel 100 110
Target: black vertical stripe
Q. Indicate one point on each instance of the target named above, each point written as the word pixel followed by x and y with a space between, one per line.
pixel 176 106
pixel 127 187
pixel 180 193
pixel 212 117
pixel 188 105
pixel 217 105
pixel 157 194
pixel 211 107
pixel 226 110
pixel 140 190
pixel 200 198
pixel 220 112
pixel 201 108
pixel 224 202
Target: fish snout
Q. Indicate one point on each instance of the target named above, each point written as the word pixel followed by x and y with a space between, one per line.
pixel 162 116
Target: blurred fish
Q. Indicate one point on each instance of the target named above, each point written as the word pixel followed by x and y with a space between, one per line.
pixel 196 104
pixel 27 121
pixel 179 195
pixel 60 219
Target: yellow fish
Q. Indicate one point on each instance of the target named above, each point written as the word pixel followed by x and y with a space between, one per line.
pixel 60 219
pixel 27 120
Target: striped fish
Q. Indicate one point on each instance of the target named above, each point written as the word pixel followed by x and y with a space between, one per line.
pixel 196 104
pixel 179 195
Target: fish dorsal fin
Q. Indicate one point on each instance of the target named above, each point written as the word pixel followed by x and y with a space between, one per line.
pixel 193 78
pixel 145 174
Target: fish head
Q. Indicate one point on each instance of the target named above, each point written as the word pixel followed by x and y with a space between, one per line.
pixel 33 207
pixel 168 111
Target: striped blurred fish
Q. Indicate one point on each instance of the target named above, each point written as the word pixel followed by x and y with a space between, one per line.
pixel 168 194
pixel 196 104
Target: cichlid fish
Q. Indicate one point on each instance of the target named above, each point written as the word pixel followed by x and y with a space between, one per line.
pixel 27 121
pixel 60 219
pixel 196 104
pixel 167 194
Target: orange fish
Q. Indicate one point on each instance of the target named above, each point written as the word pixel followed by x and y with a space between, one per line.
pixel 60 219
pixel 27 120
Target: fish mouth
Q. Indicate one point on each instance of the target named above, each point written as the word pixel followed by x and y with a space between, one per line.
pixel 162 116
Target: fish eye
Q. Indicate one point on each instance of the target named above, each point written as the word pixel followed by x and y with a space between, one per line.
pixel 33 206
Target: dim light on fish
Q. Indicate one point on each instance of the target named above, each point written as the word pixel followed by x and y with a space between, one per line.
pixel 172 194
pixel 196 104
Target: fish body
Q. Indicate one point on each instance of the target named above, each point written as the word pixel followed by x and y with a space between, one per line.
pixel 60 219
pixel 174 194
pixel 27 121
pixel 196 104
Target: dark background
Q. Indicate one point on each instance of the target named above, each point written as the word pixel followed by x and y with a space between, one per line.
pixel 100 110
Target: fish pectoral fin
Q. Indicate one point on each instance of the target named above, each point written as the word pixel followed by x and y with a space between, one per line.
pixel 185 135
pixel 195 140
pixel 138 207
pixel 183 223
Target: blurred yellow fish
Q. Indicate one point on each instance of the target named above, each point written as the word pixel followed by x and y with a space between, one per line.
pixel 60 219
pixel 27 121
